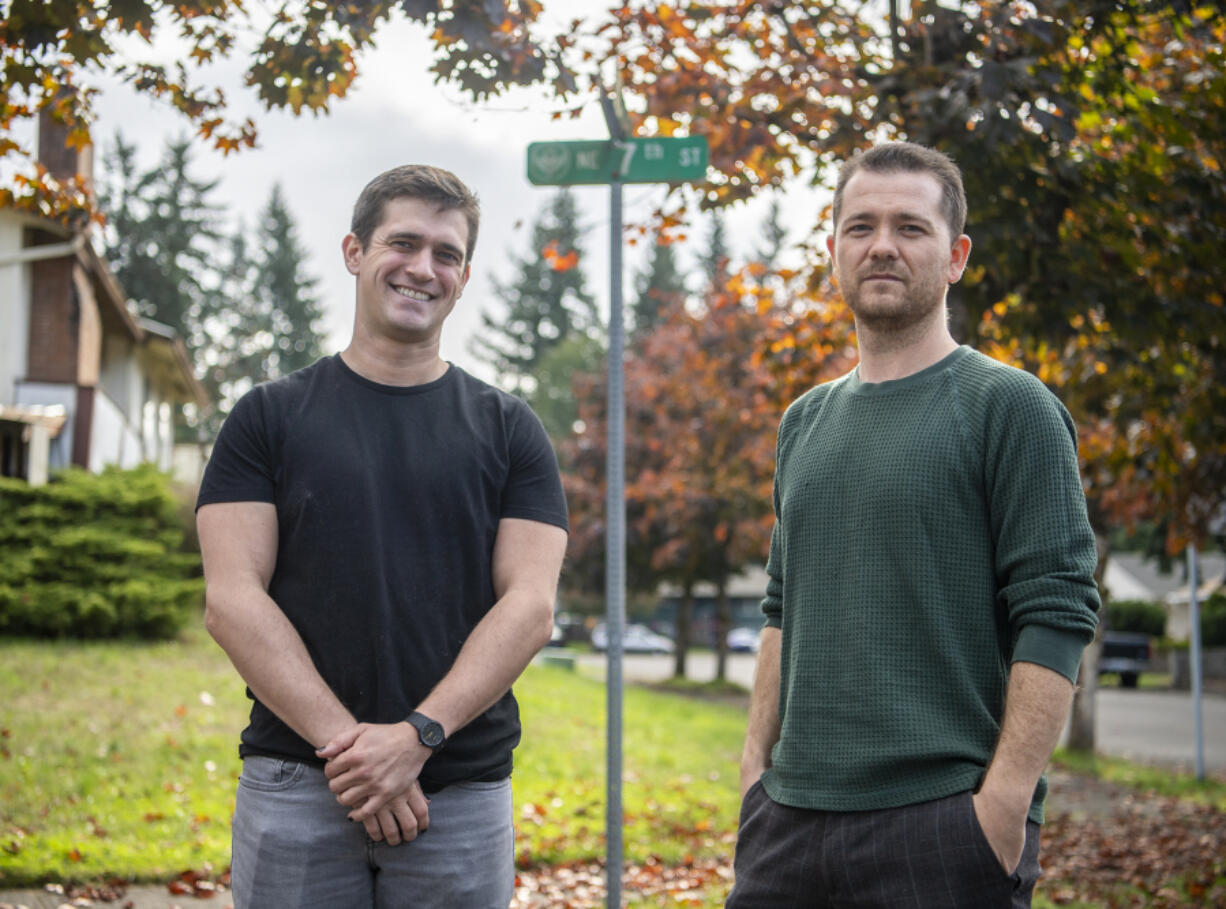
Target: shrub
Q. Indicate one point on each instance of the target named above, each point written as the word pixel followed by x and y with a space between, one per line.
pixel 95 556
pixel 1136 615
pixel 1213 621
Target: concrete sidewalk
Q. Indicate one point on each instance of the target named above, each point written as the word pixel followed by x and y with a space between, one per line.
pixel 144 896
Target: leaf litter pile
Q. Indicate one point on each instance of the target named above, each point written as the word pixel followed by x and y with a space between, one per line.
pixel 1103 845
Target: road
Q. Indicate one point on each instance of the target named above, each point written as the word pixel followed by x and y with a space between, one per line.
pixel 1153 727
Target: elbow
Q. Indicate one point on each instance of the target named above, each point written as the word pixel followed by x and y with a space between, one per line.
pixel 215 615
pixel 540 625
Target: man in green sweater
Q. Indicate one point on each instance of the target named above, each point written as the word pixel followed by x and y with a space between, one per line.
pixel 931 589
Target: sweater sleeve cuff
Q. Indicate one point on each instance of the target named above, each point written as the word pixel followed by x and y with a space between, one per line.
pixel 1056 648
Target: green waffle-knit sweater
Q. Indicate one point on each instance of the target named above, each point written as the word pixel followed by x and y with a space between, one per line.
pixel 930 531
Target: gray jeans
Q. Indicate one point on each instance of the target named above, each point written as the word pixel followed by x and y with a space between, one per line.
pixel 295 848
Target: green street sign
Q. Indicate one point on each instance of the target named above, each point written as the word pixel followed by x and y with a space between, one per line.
pixel 636 160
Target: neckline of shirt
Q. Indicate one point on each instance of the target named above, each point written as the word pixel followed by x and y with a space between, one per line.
pixel 858 386
pixel 425 387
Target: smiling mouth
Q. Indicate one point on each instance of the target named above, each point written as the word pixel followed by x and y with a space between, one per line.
pixel 410 294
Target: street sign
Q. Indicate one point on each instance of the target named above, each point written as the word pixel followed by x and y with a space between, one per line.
pixel 637 160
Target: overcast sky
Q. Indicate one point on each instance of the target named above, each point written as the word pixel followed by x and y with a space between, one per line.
pixel 394 115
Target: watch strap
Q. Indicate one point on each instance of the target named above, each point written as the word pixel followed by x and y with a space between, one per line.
pixel 429 732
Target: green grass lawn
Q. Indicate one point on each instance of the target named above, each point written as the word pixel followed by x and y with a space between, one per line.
pixel 117 758
pixel 121 759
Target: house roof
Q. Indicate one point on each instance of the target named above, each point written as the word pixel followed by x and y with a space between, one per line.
pixel 1130 576
pixel 163 350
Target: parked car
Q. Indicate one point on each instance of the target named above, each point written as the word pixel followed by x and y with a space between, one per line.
pixel 1125 652
pixel 744 640
pixel 635 639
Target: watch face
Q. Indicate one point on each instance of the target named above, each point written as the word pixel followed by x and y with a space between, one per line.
pixel 431 734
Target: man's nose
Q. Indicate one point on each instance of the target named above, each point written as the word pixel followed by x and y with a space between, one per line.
pixel 420 264
pixel 883 245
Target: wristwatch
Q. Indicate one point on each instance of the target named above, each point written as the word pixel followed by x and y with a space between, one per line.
pixel 429 731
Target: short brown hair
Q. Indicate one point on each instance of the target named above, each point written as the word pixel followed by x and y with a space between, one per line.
pixel 415 181
pixel 892 157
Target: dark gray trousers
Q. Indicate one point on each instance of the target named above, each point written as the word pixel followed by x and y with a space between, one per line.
pixel 923 856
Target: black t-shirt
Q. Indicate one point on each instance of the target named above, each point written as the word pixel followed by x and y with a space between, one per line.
pixel 388 501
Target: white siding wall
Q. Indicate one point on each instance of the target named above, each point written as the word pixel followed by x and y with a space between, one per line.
pixel 113 440
pixel 121 377
pixel 14 312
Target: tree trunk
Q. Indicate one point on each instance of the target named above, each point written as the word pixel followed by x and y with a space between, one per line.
pixel 685 611
pixel 723 619
pixel 1081 724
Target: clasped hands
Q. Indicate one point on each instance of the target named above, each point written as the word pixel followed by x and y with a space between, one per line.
pixel 373 769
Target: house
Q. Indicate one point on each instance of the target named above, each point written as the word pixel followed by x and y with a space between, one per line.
pixel 83 381
pixel 1130 576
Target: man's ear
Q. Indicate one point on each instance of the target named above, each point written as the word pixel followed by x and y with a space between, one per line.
pixel 958 258
pixel 351 249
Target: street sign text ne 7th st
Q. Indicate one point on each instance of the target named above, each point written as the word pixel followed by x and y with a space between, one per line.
pixel 637 160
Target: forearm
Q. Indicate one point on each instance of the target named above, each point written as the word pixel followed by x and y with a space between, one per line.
pixel 1037 703
pixel 493 657
pixel 270 656
pixel 762 730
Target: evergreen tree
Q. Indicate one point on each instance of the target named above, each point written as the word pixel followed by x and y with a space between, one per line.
pixel 162 236
pixel 714 259
pixel 661 287
pixel 552 395
pixel 776 237
pixel 266 325
pixel 287 311
pixel 244 306
pixel 546 303
pixel 226 361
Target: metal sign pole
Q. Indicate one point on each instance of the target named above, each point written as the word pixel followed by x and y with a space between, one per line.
pixel 615 551
pixel 1194 660
pixel 615 476
pixel 621 159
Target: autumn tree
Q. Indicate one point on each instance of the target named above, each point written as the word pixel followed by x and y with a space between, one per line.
pixel 1091 136
pixel 703 401
pixel 302 57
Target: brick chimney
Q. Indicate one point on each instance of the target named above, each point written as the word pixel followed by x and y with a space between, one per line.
pixel 54 153
pixel 65 339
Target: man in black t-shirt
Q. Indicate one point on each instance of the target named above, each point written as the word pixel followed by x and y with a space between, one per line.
pixel 382 535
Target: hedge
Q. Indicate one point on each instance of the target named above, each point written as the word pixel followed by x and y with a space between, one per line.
pixel 95 556
pixel 1136 615
pixel 1213 621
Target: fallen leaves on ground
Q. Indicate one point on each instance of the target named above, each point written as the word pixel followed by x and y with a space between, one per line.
pixel 1103 845
pixel 201 884
pixel 581 885
pixel 1151 851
